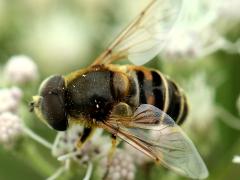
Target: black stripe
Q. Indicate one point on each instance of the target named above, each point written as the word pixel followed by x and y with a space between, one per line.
pixel 174 100
pixel 141 77
pixel 159 99
pixel 156 79
pixel 185 111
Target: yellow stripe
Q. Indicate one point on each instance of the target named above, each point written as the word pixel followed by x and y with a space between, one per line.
pixel 181 107
pixel 166 93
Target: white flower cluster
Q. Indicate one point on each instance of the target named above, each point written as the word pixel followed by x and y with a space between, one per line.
pixel 66 144
pixel 65 141
pixel 20 70
pixel 10 99
pixel 122 166
pixel 10 122
pixel 65 149
pixel 10 128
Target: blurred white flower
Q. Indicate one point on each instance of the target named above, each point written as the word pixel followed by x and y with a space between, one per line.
pixel 188 41
pixel 197 14
pixel 10 128
pixel 236 159
pixel 201 102
pixel 16 93
pixel 229 9
pixel 183 44
pixel 20 69
pixel 202 112
pixel 10 99
pixel 122 166
pixel 191 44
pixel 58 40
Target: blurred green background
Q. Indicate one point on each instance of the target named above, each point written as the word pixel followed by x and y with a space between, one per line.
pixel 62 36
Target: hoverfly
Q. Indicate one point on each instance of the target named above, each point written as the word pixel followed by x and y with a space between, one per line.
pixel 138 105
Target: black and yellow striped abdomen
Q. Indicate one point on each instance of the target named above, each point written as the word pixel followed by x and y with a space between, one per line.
pixel 160 91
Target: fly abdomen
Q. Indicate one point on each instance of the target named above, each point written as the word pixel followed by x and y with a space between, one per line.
pixel 157 90
pixel 177 105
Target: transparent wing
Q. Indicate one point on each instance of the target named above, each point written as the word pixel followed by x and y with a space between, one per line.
pixel 157 135
pixel 146 35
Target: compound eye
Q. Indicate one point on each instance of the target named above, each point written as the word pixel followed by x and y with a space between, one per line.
pixel 52 104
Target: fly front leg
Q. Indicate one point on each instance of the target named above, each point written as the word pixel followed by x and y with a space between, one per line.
pixel 81 139
pixel 86 135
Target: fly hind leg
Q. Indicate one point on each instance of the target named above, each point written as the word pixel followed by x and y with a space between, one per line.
pixel 111 155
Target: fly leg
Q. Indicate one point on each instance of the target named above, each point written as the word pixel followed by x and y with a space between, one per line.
pixel 87 134
pixel 110 155
pixel 112 150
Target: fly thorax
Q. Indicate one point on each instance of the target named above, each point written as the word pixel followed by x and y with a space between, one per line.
pixel 90 96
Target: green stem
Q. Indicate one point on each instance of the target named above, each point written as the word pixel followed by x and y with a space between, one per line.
pixel 228 118
pixel 32 155
pixel 37 138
